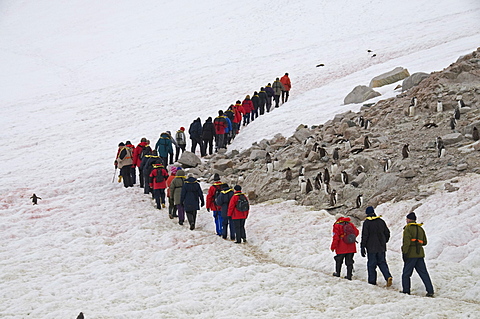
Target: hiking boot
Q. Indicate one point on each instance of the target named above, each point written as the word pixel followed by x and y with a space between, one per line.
pixel 180 223
pixel 237 242
pixel 429 294
pixel 348 278
pixel 389 281
pixel 170 216
pixel 163 205
pixel 120 178
pixel 244 240
pixel 336 274
pixel 192 226
pixel 404 292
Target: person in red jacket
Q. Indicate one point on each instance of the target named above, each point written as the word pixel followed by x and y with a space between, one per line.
pixel 237 119
pixel 172 208
pixel 343 246
pixel 238 217
pixel 247 108
pixel 137 160
pixel 285 80
pixel 220 124
pixel 213 192
pixel 159 184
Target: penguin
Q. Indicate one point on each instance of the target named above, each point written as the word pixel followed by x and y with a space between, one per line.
pixel 276 163
pixel 453 123
pixel 333 198
pixel 309 186
pixel 315 147
pixel 366 143
pixel 334 168
pixel 360 169
pixel 326 176
pixel 369 51
pixel 439 106
pixel 356 150
pixel 34 199
pixel 318 181
pixel 414 101
pixel 374 55
pixel 268 158
pixel 344 178
pixel 347 145
pixel 308 140
pixel 327 189
pixel 80 316
pixel 405 151
pixel 475 135
pixel 359 201
pixel 319 65
pixel 411 110
pixel 440 147
pixel 430 125
pixel 303 186
pixel 387 164
pixel 301 171
pixel 322 152
pixel 336 155
pixel 460 103
pixel 288 174
pixel 269 167
pixel 456 113
pixel 367 124
pixel 361 121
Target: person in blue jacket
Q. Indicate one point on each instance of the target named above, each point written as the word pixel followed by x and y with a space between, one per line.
pixel 164 148
pixel 192 199
pixel 223 200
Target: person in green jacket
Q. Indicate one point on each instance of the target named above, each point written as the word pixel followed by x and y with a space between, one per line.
pixel 414 238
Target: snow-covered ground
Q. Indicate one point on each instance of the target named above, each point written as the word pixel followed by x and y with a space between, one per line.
pixel 80 76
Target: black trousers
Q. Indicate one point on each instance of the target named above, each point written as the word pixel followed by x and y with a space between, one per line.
pixel 239 229
pixel 348 262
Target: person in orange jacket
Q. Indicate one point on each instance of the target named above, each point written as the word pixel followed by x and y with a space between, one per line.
pixel 212 195
pixel 287 85
pixel 238 216
pixel 247 108
pixel 343 243
pixel 159 177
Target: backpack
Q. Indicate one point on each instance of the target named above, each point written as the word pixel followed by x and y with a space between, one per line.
pixel 349 236
pixel 242 203
pixel 218 191
pixel 159 178
pixel 146 150
pixel 180 137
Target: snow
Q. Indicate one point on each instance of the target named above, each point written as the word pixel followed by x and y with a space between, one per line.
pixel 78 77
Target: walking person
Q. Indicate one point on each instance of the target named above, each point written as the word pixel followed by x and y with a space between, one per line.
pixel 146 166
pixel 220 124
pixel 414 238
pixel 238 209
pixel 343 243
pixel 137 158
pixel 256 105
pixel 158 178
pixel 262 95
pixel 287 85
pixel 237 119
pixel 247 108
pixel 213 193
pixel 181 140
pixel 375 236
pixel 195 132
pixel 278 88
pixel 208 134
pixel 270 94
pixel 124 161
pixel 176 192
pixel 192 199
pixel 223 200
pixel 164 148
pixel 172 208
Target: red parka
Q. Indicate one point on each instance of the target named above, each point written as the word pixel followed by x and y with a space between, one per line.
pixel 162 184
pixel 211 196
pixel 238 114
pixel 247 106
pixel 285 80
pixel 338 244
pixel 232 207
pixel 136 153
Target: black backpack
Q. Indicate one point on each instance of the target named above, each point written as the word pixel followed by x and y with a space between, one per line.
pixel 349 236
pixel 242 203
pixel 159 178
pixel 218 191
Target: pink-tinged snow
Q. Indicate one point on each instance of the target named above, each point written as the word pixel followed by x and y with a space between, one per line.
pixel 80 76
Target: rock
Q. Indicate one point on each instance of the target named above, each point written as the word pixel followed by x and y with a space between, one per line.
pixel 223 164
pixel 409 173
pixel 452 138
pixel 301 134
pixel 462 167
pixel 188 159
pixel 450 188
pixel 313 157
pixel 390 77
pixel 414 80
pixel 360 94
pixel 257 154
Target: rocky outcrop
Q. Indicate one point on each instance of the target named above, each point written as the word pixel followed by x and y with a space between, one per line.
pixel 414 80
pixel 360 94
pixel 390 77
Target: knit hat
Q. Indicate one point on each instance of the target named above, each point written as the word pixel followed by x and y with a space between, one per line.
pixel 412 216
pixel 237 188
pixel 173 170
pixel 182 129
pixel 370 211
pixel 121 144
pixel 216 177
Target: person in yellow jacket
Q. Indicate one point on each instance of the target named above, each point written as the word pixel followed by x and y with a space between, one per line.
pixel 414 238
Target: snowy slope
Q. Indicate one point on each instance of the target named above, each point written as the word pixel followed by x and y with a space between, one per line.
pixel 80 76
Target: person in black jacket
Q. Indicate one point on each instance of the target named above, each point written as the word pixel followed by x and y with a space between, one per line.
pixel 208 135
pixel 375 235
pixel 263 100
pixel 195 132
pixel 192 199
pixel 223 200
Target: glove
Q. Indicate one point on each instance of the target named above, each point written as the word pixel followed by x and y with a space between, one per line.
pixel 203 204
pixel 363 252
pixel 208 209
pixel 405 258
pixel 332 250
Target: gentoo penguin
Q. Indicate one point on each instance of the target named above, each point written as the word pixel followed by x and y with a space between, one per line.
pixel 336 156
pixel 288 174
pixel 308 140
pixel 439 106
pixel 411 110
pixel 440 147
pixel 80 316
pixel 269 167
pixel 347 145
pixel 326 176
pixel 405 151
pixel 315 147
pixel 309 186
pixel 344 177
pixel 359 201
pixel 333 198
pixel 356 150
pixel 276 163
pixel 303 186
pixel 475 135
pixel 268 158
pixel 387 164
pixel 361 121
pixel 322 152
pixel 334 168
pixel 456 113
pixel 318 181
pixel 430 125
pixel 366 143
pixel 453 123
pixel 319 65
pixel 414 101
pixel 460 103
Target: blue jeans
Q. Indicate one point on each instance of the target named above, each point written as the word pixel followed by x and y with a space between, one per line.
pixel 419 265
pixel 217 214
pixel 374 260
